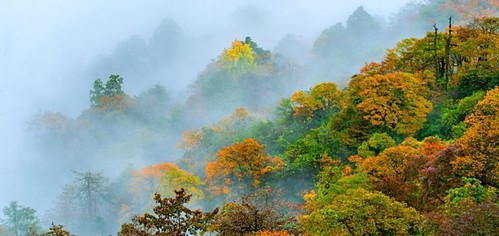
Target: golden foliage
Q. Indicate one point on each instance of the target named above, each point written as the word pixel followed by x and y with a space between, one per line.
pixel 396 101
pixel 481 142
pixel 239 56
pixel 242 162
pixel 321 97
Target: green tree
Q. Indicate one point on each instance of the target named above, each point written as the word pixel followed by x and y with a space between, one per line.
pixel 262 56
pixel 344 205
pixel 20 220
pixel 454 115
pixel 114 86
pixel 375 145
pixel 109 96
pixel 96 93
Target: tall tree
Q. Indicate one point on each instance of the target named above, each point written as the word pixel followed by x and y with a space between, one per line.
pixel 96 92
pixel 20 219
pixel 91 189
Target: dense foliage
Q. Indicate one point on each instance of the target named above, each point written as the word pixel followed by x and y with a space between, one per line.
pixel 409 145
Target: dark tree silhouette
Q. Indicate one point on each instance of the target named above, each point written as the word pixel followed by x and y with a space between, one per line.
pixel 171 218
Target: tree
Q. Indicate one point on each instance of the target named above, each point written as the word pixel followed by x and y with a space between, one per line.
pixel 244 218
pixel 323 97
pixel 261 55
pixel 110 97
pixel 362 212
pixel 177 178
pixel 20 220
pixel 398 170
pixel 396 101
pixel 84 204
pixel 259 211
pixel 479 70
pixel 113 86
pixel 170 217
pixel 438 177
pixel 244 164
pixel 57 230
pixel 344 205
pixel 146 182
pixel 91 189
pixel 375 145
pixel 67 210
pixel 202 145
pixel 96 93
pixel 238 59
pixel 454 115
pixel 468 210
pixel 304 156
pixel 480 158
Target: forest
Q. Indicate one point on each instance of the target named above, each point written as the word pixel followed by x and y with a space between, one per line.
pixel 344 136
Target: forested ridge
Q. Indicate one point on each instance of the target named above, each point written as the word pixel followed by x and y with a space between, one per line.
pixel 405 145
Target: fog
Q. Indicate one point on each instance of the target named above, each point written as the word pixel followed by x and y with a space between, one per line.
pixel 48 50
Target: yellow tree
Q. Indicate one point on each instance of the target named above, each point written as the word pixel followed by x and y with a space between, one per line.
pixel 243 165
pixel 177 178
pixel 480 142
pixel 239 58
pixel 162 178
pixel 396 100
pixel 324 96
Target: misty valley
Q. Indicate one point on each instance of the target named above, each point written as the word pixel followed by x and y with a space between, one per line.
pixel 374 126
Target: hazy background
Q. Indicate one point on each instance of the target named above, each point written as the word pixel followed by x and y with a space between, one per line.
pixel 47 48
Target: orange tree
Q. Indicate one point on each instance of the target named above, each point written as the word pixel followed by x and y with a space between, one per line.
pixel 480 158
pixel 243 165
